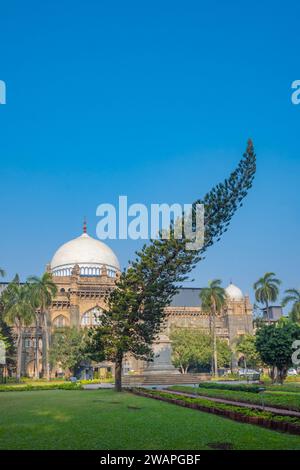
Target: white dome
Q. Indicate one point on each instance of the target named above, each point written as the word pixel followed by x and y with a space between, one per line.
pixel 89 254
pixel 234 292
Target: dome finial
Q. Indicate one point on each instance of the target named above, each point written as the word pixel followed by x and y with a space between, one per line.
pixel 84 225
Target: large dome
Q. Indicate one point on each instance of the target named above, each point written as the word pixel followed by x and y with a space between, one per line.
pixel 86 252
pixel 234 292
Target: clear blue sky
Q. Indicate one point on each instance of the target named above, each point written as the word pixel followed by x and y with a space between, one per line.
pixel 154 100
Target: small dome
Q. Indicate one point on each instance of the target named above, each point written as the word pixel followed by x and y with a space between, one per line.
pixel 234 292
pixel 86 252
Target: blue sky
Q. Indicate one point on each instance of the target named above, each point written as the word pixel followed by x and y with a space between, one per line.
pixel 154 100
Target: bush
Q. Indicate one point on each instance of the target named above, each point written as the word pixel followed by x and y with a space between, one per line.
pixel 228 377
pixel 96 381
pixel 285 388
pixel 41 386
pixel 293 378
pixel 237 387
pixel 242 411
pixel 284 401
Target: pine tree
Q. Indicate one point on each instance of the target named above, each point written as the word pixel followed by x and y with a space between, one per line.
pixel 135 312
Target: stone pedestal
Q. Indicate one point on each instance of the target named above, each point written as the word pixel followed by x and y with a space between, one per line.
pixel 162 363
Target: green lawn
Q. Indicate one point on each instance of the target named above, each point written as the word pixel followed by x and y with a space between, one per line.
pixel 102 419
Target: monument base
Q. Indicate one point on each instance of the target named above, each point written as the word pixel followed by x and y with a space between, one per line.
pixel 162 363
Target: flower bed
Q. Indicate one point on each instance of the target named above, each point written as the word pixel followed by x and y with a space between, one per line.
pixel 237 413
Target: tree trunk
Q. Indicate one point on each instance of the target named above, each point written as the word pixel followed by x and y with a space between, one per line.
pixel 215 351
pixel 19 354
pixel 211 343
pixel 36 350
pixel 268 315
pixel 118 373
pixel 282 373
pixel 274 374
pixel 214 333
pixel 46 347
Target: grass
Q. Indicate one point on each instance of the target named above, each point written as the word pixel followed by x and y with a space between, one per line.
pixel 103 420
pixel 290 401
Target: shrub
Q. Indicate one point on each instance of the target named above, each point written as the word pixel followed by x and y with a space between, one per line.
pixel 212 406
pixel 284 401
pixel 44 386
pixel 237 387
pixel 96 381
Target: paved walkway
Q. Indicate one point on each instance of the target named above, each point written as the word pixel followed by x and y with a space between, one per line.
pixel 97 386
pixel 278 411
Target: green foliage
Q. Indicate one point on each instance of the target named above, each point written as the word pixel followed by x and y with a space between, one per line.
pixel 286 387
pixel 288 401
pixel 235 387
pixel 230 376
pixel 4 339
pixel 292 379
pixel 246 346
pixel 224 353
pixel 40 386
pixel 135 311
pixel 192 348
pixel 223 406
pixel 275 346
pixel 96 381
pixel 68 348
pixel 267 290
pixel 17 307
pixel 293 296
pixel 17 311
pixel 43 290
pixel 213 299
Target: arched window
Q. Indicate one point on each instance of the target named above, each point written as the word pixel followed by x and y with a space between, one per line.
pixel 92 317
pixel 85 320
pixel 60 321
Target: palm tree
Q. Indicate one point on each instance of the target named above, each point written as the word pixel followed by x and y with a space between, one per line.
pixel 213 299
pixel 43 291
pixel 36 321
pixel 267 290
pixel 17 312
pixel 2 272
pixel 293 296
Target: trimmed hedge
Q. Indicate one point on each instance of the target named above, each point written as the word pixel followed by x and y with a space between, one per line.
pixel 44 386
pixel 284 401
pixel 237 388
pixel 95 381
pixel 237 413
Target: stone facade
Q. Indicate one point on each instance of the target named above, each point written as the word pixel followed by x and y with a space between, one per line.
pixel 85 270
pixel 81 298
